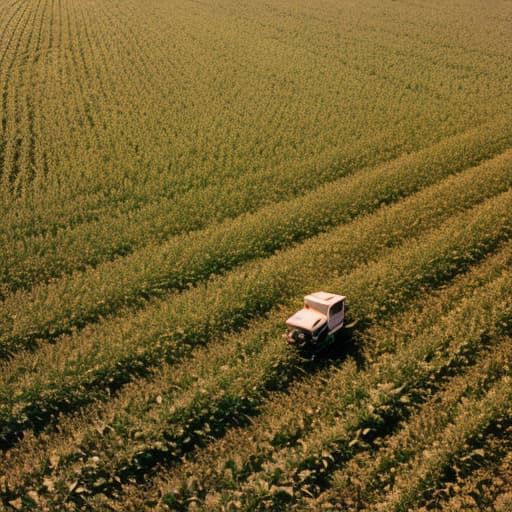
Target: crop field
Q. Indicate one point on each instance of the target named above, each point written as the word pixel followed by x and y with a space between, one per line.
pixel 175 175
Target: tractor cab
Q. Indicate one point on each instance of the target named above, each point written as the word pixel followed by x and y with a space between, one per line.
pixel 318 321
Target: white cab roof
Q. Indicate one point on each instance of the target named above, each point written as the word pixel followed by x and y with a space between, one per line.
pixel 308 319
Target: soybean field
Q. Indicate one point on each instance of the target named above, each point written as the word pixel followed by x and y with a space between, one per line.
pixel 175 175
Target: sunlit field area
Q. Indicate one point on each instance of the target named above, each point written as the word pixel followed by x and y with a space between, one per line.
pixel 175 175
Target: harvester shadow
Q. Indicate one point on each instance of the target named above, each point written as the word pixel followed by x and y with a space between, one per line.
pixel 347 345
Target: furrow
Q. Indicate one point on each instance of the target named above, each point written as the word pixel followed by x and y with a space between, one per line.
pixel 288 417
pixel 51 310
pixel 165 425
pixel 98 356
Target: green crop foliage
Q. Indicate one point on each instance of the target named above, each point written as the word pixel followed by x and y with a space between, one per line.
pixel 47 311
pixel 370 475
pixel 176 175
pixel 458 442
pixel 392 385
pixel 83 362
pixel 29 260
pixel 196 411
pixel 287 416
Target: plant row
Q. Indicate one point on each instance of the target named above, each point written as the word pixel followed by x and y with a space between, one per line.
pixel 370 475
pixel 30 260
pixel 286 418
pixel 412 374
pixel 103 161
pixel 164 432
pixel 483 477
pixel 112 353
pixel 179 128
pixel 159 423
pixel 50 310
pixel 213 405
pixel 244 367
pixel 459 442
pixel 13 105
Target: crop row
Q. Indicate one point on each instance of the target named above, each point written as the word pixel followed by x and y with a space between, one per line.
pixel 370 475
pixel 12 103
pixel 50 310
pixel 196 411
pixel 336 109
pixel 21 153
pixel 288 417
pixel 423 473
pixel 84 62
pixel 27 260
pixel 95 18
pixel 234 387
pixel 23 105
pixel 304 468
pixel 483 477
pixel 112 352
pixel 30 260
pixel 203 412
pixel 445 413
pixel 412 373
pixel 191 141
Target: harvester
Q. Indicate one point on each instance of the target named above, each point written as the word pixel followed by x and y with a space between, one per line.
pixel 315 326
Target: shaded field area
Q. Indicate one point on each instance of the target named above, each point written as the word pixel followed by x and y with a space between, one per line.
pixel 175 176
